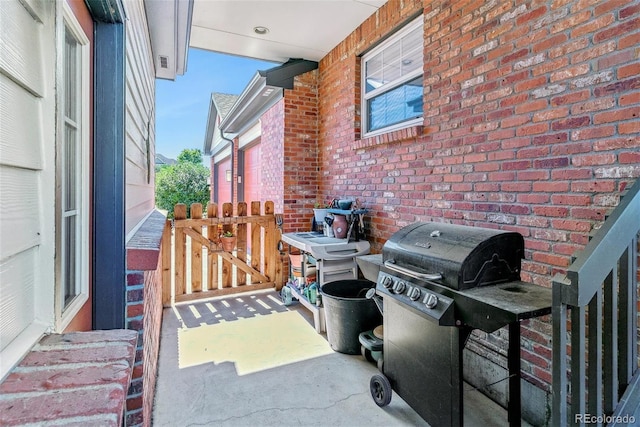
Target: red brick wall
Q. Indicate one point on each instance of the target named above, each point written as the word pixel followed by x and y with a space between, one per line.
pixel 134 415
pixel 301 151
pixel 85 381
pixel 290 154
pixel 144 315
pixel 153 322
pixel 531 124
pixel 289 142
pixel 272 143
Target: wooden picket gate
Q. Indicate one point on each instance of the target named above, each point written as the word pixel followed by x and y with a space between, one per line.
pixel 196 267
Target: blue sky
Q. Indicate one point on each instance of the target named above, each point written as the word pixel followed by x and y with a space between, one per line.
pixel 182 105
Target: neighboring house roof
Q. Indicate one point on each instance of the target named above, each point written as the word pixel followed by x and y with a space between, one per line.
pixel 224 102
pixel 219 107
pixel 164 160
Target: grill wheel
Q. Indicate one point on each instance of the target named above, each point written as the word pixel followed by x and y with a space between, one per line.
pixel 380 388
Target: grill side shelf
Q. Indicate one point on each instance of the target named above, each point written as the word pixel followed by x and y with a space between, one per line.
pixel 491 307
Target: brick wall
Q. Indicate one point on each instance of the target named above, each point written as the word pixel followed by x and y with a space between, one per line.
pixel 531 124
pixel 301 151
pixel 153 320
pixel 135 321
pixel 144 315
pixel 272 149
pixel 289 142
pixel 77 378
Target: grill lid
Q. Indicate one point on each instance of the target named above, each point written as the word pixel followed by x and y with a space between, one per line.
pixel 457 256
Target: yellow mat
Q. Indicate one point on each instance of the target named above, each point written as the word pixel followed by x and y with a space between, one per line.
pixel 253 344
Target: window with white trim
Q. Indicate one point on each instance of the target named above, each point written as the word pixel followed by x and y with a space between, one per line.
pixel 392 75
pixel 72 171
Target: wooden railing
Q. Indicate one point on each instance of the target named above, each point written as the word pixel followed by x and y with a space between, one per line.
pixel 196 266
pixel 600 290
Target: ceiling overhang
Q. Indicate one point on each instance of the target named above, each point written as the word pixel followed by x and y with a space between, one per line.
pixel 295 29
pixel 169 29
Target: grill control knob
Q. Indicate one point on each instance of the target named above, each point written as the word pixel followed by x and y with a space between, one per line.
pixel 399 287
pixel 387 282
pixel 414 293
pixel 430 300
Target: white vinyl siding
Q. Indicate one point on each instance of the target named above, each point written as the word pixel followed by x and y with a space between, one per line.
pixel 392 81
pixel 139 119
pixel 27 175
pixel 72 164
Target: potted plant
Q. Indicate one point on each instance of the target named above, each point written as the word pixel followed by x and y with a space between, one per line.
pixel 228 241
pixel 320 210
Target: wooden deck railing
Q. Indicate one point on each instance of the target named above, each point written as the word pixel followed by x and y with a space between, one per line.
pixel 600 290
pixel 196 266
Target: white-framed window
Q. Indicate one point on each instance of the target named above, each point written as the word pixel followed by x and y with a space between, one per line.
pixel 392 76
pixel 72 170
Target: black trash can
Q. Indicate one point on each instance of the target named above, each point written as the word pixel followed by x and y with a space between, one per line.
pixel 348 312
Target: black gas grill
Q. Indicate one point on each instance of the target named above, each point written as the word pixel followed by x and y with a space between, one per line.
pixel 439 282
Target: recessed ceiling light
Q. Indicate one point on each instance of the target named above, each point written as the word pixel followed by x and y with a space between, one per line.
pixel 261 31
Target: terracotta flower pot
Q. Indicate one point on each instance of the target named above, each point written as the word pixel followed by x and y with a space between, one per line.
pixel 228 243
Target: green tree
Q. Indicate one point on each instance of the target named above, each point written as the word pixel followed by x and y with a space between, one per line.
pixel 185 182
pixel 190 155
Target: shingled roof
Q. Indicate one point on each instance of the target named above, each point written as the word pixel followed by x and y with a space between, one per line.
pixel 224 102
pixel 219 107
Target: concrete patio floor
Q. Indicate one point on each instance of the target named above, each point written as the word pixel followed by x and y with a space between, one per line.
pixel 247 360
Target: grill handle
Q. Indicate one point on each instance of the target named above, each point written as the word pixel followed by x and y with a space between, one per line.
pixel 391 265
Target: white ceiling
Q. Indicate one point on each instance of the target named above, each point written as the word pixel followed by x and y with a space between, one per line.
pixel 306 29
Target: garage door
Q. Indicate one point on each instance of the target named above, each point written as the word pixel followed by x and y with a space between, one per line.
pixel 252 182
pixel 223 182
